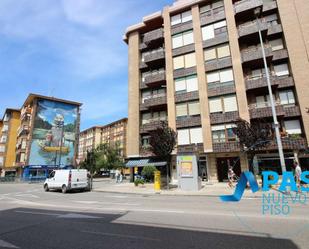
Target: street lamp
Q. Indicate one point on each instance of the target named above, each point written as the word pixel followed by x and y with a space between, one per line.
pixel 257 13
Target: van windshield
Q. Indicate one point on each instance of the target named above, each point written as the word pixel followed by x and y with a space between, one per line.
pixel 52 174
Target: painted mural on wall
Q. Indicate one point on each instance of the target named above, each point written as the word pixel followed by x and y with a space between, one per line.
pixel 54 134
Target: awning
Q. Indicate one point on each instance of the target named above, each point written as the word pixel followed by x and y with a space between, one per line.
pixel 144 162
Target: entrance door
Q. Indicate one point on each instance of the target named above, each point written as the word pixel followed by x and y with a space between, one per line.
pixel 223 165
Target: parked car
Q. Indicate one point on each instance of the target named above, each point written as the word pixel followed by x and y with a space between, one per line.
pixel 67 179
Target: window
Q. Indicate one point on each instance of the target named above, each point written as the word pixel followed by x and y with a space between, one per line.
pixel 1 161
pixel 184 61
pixel 22 157
pixel 181 18
pixel 182 39
pixel 3 139
pixel 292 127
pixel 209 31
pixel 214 5
pixel 224 77
pixel 276 44
pixel 217 52
pixel 5 128
pixel 155 93
pixel 190 136
pixel 257 73
pixel 227 103
pixel 223 133
pixel 281 70
pixel 188 109
pixel 287 97
pixel 186 84
pixel 145 141
pixel 2 148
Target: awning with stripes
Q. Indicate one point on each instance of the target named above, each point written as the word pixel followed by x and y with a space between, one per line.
pixel 143 162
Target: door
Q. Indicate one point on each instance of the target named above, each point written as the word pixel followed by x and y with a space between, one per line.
pixel 223 165
pixel 51 180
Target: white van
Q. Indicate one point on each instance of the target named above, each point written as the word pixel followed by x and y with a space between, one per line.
pixel 67 179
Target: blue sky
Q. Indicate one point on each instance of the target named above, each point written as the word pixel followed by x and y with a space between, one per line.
pixel 70 49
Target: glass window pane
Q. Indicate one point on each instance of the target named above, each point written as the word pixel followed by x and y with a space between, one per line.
pixel 226 75
pixel 186 16
pixel 292 127
pixel 177 41
pixel 196 135
pixel 205 8
pixel 210 54
pixel 283 98
pixel 176 19
pixel 180 84
pixel 181 110
pixel 178 62
pixel 224 51
pixel 194 108
pixel 183 137
pixel 213 77
pixel 291 97
pixel 219 24
pixel 215 105
pixel 188 38
pixel 190 60
pixel 281 70
pixel 230 103
pixel 276 44
pixel 192 83
pixel 208 32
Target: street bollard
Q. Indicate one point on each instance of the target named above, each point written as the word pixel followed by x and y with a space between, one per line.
pixel 157 180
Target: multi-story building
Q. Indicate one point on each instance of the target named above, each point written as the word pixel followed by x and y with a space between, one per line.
pixel 48 134
pixel 113 133
pixel 89 139
pixel 8 136
pixel 198 64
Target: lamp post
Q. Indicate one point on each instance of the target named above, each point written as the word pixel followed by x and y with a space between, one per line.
pixel 257 13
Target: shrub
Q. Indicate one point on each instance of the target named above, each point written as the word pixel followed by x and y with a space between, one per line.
pixel 148 172
pixel 139 181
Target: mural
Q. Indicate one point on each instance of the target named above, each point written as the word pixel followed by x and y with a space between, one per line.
pixel 54 133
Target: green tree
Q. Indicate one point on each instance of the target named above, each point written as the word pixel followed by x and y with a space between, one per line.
pixel 108 157
pixel 162 142
pixel 148 172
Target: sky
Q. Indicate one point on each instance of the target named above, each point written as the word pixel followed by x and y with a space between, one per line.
pixel 70 49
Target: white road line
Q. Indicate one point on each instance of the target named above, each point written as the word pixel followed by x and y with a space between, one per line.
pixel 39 213
pixel 121 236
pixel 27 195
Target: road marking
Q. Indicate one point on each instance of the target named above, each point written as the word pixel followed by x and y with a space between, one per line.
pixel 78 216
pixel 27 195
pixel 7 244
pixel 39 213
pixel 122 236
pixel 86 202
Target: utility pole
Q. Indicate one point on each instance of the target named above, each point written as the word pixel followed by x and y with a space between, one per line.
pixel 257 13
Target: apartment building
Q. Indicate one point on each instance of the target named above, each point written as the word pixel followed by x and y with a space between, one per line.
pixel 8 136
pixel 198 65
pixel 113 133
pixel 47 137
pixel 89 139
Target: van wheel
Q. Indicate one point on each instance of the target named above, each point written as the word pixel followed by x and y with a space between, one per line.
pixel 64 189
pixel 46 189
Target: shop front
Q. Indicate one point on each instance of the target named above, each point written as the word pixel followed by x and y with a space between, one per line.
pixel 39 172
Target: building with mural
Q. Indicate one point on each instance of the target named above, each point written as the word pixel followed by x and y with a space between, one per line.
pixel 48 135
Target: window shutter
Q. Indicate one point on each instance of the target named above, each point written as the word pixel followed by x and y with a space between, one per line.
pixel 190 60
pixel 292 127
pixel 183 137
pixel 276 44
pixel 188 38
pixel 177 41
pixel 208 32
pixel 217 127
pixel 194 108
pixel 181 110
pixel 196 135
pixel 223 51
pixel 226 75
pixel 180 84
pixel 230 103
pixel 215 105
pixel 283 98
pixel 210 54
pixel 219 24
pixel 186 16
pixel 281 70
pixel 176 19
pixel 213 77
pixel 192 83
pixel 178 62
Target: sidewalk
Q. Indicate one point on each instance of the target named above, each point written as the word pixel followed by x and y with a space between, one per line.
pixel 213 190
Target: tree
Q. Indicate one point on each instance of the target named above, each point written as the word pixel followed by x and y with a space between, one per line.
pixel 162 142
pixel 108 157
pixel 90 164
pixel 148 172
pixel 253 136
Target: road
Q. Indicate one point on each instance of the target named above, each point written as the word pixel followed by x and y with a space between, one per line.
pixel 33 219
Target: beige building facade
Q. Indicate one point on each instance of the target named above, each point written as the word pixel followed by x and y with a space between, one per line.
pixel 198 65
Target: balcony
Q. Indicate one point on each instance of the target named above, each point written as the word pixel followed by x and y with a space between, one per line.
pixel 25 113
pixel 251 28
pixel 274 30
pixel 269 7
pixel 154 57
pixel 183 97
pixel 190 148
pixel 188 121
pixel 247 6
pixel 218 64
pixel 23 130
pixel 151 126
pixel 155 79
pixel 155 101
pixel 219 118
pixel 263 110
pixel 212 16
pixel 217 89
pixel 153 36
pixel 255 55
pixel 280 82
pixel 279 55
pixel 290 143
pixel 226 147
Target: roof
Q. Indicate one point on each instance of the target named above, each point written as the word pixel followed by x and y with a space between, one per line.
pixel 105 126
pixel 9 110
pixel 90 128
pixel 33 96
pixel 144 162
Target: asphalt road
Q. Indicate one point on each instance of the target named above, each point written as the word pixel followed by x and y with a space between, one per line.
pixel 33 219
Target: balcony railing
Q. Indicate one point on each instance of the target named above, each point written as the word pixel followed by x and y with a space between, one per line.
pixel 188 121
pixel 254 54
pixel 226 147
pixel 153 35
pixel 247 5
pixel 212 15
pixel 155 100
pixel 261 82
pixel 153 56
pixel 155 78
pixel 263 110
pixel 227 117
pixel 151 125
pixel 218 64
pixel 23 130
